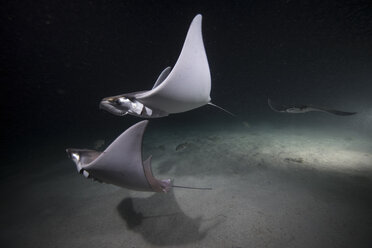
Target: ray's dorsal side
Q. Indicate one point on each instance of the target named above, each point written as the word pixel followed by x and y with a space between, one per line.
pixel 185 87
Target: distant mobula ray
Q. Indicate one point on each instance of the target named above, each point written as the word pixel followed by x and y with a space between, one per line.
pixel 299 109
pixel 184 88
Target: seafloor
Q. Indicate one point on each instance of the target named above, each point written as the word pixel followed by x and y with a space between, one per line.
pixel 273 186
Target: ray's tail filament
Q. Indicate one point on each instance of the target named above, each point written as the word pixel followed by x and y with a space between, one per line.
pixel 186 187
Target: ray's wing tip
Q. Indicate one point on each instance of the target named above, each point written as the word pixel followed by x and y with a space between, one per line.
pixel 144 123
pixel 197 19
pixel 270 105
pixel 141 125
pixel 138 127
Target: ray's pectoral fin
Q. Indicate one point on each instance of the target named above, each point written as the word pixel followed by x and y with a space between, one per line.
pixel 156 185
pixel 163 75
pixel 188 85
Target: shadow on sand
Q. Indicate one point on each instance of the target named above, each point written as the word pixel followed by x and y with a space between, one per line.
pixel 160 220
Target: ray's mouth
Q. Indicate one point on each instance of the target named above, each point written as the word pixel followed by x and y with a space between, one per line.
pixel 108 106
pixel 103 103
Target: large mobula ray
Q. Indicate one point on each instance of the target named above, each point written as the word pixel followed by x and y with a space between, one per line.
pixel 184 88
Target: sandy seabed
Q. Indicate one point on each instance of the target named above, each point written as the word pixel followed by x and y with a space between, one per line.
pixel 272 187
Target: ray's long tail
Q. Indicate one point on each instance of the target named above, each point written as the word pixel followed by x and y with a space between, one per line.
pixel 186 187
pixel 220 108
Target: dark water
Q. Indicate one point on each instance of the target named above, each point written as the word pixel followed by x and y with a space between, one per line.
pixel 59 59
